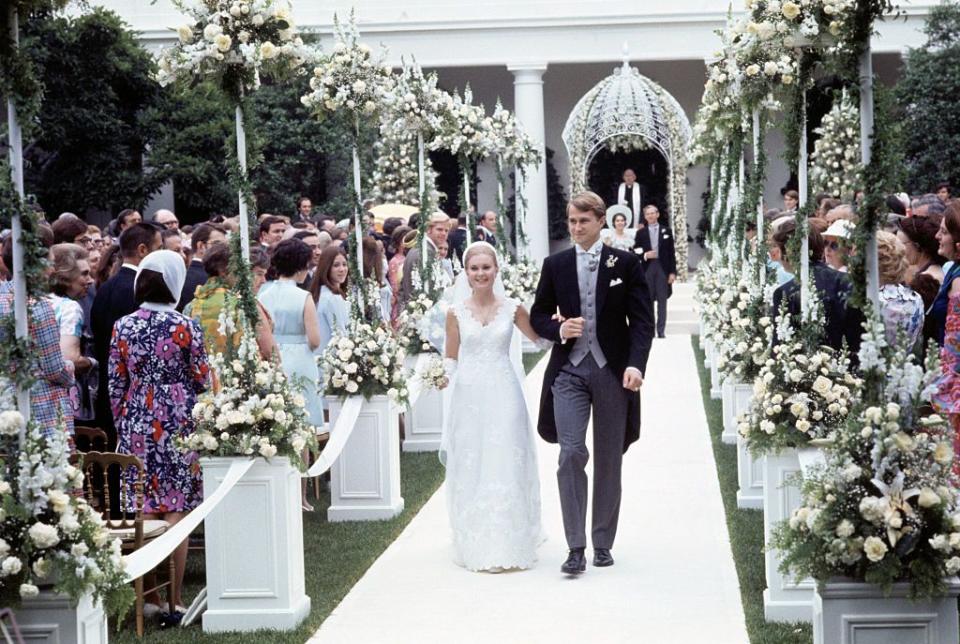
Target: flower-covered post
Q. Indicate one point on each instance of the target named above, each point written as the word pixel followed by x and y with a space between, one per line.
pixel 16 225
pixel 354 84
pixel 234 43
pixel 866 152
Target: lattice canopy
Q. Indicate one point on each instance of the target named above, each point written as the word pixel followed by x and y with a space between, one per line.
pixel 625 112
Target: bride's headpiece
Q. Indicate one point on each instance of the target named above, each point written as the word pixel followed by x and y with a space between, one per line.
pixel 461 287
pixel 477 245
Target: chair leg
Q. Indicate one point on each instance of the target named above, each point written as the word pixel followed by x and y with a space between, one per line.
pixel 138 589
pixel 172 572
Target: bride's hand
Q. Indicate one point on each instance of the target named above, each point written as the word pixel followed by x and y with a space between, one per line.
pixel 442 384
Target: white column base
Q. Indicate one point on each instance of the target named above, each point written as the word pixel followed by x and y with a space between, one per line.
pixel 785 599
pixel 857 613
pixel 707 352
pixel 424 423
pixel 701 336
pixel 714 376
pixel 729 434
pixel 49 618
pixel 741 397
pixel 254 553
pixel 749 478
pixel 365 480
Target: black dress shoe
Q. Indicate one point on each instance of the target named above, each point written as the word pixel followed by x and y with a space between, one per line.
pixel 575 564
pixel 661 335
pixel 602 557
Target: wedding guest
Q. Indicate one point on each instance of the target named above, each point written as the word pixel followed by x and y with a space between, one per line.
pixel 791 199
pixel 618 235
pixel 167 219
pixel 487 231
pixel 948 237
pixel 53 376
pixel 127 218
pixel 68 228
pixel 437 231
pixel 926 205
pixel 943 192
pixel 294 315
pixel 373 262
pixel 109 264
pixel 271 230
pixel 304 208
pixel 172 240
pixel 656 248
pixel 836 248
pixel 208 303
pixel 69 281
pixel 919 238
pixel 157 367
pixel 900 306
pixel 395 270
pixel 115 299
pixel 311 239
pixel 330 287
pixel 202 237
pixel 843 323
pixel 842 211
pixel 457 237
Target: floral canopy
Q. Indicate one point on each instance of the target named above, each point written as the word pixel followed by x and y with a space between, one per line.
pixel 626 112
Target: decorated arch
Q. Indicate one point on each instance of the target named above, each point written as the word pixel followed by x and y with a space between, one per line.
pixel 628 112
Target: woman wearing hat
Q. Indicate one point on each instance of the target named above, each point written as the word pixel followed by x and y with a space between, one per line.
pixel 836 249
pixel 618 232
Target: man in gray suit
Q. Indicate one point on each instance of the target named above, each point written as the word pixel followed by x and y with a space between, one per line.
pixel 437 230
pixel 598 361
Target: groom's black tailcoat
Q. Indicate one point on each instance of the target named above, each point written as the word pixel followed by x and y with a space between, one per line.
pixel 624 323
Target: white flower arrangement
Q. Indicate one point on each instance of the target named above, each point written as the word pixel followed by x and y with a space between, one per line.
pixel 48 532
pixel 396 178
pixel 884 508
pixel 798 397
pixel 515 145
pixel 350 79
pixel 235 41
pixel 433 374
pixel 417 104
pixel 835 163
pixel 743 329
pixel 520 279
pixel 367 361
pixel 465 130
pixel 413 334
pixel 254 411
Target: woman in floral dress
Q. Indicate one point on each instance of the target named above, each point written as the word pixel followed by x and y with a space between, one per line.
pixel 158 365
pixel 947 398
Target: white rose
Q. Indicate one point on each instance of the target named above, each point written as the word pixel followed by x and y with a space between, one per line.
pixel 41 567
pixel 210 443
pixel 268 451
pixel 874 548
pixel 58 500
pixel 352 387
pixel 185 33
pixel 351 368
pixel 43 535
pixel 5 487
pixel 235 11
pixel 940 542
pixel 943 454
pixel 257 19
pixel 11 423
pixel 268 50
pixel 79 549
pixel 28 590
pixel 845 529
pixel 10 566
pixel 796 375
pixel 953 565
pixel 4 548
pixel 223 42
pixel 790 10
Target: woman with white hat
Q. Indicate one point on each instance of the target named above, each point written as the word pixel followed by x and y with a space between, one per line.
pixel 836 249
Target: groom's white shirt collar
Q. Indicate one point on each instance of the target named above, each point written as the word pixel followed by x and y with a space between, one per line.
pixel 593 250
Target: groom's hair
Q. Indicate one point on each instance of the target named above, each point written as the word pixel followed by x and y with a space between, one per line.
pixel 588 202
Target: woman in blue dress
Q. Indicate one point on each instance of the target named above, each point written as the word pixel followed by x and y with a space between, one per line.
pixel 329 288
pixel 295 327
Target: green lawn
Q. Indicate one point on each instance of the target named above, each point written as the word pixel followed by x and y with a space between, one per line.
pixel 746 530
pixel 336 555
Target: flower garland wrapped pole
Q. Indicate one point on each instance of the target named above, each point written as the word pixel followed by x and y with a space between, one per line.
pixel 16 226
pixel 242 206
pixel 866 150
pixel 803 190
pixel 465 169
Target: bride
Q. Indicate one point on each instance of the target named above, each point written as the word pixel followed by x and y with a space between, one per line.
pixel 493 489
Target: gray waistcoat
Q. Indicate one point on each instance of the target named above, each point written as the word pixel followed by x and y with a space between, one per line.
pixel 587 343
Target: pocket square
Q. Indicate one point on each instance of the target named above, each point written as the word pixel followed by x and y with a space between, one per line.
pixel 666 236
pixel 616 282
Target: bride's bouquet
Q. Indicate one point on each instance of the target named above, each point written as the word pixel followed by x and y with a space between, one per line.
pixel 433 374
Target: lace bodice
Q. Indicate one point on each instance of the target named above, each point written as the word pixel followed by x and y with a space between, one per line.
pixel 486 344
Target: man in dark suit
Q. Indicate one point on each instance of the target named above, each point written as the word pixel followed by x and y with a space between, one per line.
pixel 457 240
pixel 203 236
pixel 598 361
pixel 437 231
pixel 114 300
pixel 487 232
pixel 654 245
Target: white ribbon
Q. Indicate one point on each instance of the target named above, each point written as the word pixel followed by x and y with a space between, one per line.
pixel 415 384
pixel 149 557
pixel 339 436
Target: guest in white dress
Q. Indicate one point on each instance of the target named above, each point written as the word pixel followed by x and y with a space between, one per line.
pixel 492 485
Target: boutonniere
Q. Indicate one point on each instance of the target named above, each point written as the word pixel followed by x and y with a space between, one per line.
pixel 616 282
pixel 666 235
pixel 612 261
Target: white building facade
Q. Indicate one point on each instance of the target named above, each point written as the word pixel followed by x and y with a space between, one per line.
pixel 540 56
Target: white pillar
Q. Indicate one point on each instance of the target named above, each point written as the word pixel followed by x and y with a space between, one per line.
pixel 528 107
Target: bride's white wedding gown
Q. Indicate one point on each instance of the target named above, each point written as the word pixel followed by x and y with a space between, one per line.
pixel 492 485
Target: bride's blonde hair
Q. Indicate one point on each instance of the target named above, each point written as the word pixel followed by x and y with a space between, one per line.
pixel 481 248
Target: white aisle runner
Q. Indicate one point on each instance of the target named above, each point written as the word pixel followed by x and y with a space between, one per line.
pixel 674 580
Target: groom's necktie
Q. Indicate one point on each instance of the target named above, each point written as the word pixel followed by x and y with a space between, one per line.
pixel 593 259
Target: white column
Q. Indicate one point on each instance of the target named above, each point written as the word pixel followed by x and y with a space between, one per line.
pixel 528 107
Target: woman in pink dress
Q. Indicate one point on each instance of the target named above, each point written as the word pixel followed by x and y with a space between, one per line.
pixel 395 270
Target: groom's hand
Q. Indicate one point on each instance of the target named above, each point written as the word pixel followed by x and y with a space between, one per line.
pixel 632 379
pixel 572 328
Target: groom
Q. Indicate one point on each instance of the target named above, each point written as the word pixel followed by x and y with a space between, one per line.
pixel 597 363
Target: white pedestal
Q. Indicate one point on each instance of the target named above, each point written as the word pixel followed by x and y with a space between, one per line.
pixel 49 618
pixel 741 395
pixel 707 351
pixel 785 599
pixel 424 423
pixel 749 478
pixel 849 612
pixel 254 550
pixel 701 333
pixel 365 480
pixel 729 434
pixel 714 376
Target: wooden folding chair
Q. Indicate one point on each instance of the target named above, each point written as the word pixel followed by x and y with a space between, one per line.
pixel 131 528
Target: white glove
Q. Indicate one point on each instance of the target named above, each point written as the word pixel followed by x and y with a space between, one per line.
pixel 450 367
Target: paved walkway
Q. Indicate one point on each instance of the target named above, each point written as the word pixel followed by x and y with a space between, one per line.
pixel 674 580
